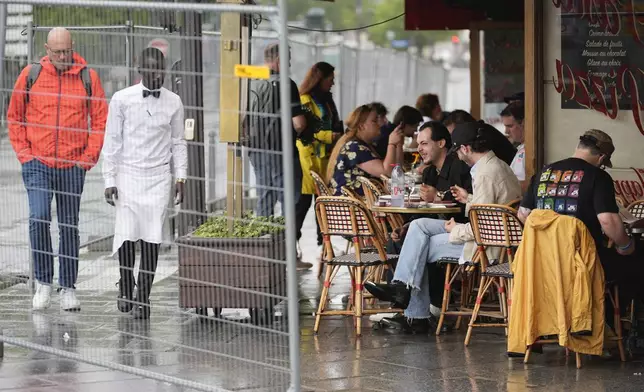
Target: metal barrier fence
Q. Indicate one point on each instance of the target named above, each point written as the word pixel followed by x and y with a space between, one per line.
pixel 187 324
pixel 362 75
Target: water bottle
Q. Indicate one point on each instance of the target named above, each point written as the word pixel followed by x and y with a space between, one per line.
pixel 397 186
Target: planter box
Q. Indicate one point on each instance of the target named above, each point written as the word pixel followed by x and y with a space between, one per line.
pixel 212 269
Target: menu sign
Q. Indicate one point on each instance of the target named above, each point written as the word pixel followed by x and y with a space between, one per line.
pixel 601 66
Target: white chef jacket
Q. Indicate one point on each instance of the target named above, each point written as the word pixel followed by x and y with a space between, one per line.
pixel 142 137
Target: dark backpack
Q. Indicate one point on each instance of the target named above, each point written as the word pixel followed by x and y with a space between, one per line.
pixel 34 72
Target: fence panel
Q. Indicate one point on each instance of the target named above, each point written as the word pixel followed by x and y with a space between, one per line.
pixel 214 314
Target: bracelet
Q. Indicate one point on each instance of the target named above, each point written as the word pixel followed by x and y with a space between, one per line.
pixel 623 248
pixel 393 144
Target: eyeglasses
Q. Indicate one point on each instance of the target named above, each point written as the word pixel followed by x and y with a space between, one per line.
pixel 63 52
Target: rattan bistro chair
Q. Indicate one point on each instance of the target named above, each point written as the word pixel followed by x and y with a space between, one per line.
pixel 497 226
pixel 321 188
pixel 467 273
pixel 515 204
pixel 637 209
pixel 349 217
pixel 372 191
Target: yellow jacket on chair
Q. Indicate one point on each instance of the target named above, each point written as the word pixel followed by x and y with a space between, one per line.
pixel 314 156
pixel 558 285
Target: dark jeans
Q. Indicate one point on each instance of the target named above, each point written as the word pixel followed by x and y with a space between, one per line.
pixel 147 269
pixel 626 271
pixel 43 183
pixel 269 173
pixel 301 209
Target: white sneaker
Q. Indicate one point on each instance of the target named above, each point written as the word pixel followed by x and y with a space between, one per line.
pixel 68 300
pixel 42 298
pixel 376 318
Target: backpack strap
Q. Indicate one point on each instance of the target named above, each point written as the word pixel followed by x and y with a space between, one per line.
pixel 34 72
pixel 32 76
pixel 87 83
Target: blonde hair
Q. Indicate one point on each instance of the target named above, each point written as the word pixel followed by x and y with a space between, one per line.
pixel 356 119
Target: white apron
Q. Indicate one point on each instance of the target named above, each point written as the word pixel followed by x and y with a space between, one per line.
pixel 142 205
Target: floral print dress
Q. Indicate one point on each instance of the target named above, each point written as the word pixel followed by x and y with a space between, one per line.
pixel 352 154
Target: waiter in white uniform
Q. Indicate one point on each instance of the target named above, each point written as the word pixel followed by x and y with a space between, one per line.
pixel 144 132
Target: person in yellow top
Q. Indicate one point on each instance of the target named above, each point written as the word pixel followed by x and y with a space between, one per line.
pixel 316 97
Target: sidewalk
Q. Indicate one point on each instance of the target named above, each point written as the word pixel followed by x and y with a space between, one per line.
pixel 237 356
pixel 178 344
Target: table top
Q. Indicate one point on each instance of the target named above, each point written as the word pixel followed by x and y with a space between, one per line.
pixel 416 210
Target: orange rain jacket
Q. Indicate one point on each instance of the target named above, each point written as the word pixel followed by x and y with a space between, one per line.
pixel 53 126
pixel 558 285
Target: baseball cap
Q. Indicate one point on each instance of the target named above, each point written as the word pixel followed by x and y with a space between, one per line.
pixel 466 134
pixel 602 141
pixel 515 97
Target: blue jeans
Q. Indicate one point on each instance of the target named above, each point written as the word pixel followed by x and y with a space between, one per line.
pixel 43 183
pixel 426 242
pixel 269 173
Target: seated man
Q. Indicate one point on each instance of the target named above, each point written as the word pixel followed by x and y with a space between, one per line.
pixel 442 172
pixel 429 240
pixel 502 147
pixel 513 119
pixel 577 186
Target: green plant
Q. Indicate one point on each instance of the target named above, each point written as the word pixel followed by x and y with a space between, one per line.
pixel 249 226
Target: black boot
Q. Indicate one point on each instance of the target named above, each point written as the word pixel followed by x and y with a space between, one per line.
pixel 125 301
pixel 397 292
pixel 149 259
pixel 405 325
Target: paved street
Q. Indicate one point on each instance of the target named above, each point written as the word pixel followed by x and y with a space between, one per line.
pixel 237 356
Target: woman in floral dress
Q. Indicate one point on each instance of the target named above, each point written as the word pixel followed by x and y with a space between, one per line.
pixel 354 156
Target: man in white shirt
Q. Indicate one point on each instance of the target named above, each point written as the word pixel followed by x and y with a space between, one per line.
pixel 513 119
pixel 144 132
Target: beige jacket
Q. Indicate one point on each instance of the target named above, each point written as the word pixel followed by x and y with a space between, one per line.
pixel 493 182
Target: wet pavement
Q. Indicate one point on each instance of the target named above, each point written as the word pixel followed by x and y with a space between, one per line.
pixel 241 357
pixel 232 354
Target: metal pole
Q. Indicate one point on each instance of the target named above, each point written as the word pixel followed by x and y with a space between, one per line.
pixel 30 42
pixel 191 92
pixel 195 6
pixel 129 51
pixel 30 59
pixel 289 201
pixel 3 36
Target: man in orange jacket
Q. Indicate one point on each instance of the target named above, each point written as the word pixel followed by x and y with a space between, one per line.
pixel 56 120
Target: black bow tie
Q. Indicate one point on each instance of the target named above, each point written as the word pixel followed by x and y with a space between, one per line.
pixel 155 93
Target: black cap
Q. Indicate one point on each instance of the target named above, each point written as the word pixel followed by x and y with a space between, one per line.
pixel 515 97
pixel 602 141
pixel 467 133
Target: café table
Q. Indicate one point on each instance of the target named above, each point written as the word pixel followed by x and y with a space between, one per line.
pixel 415 208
